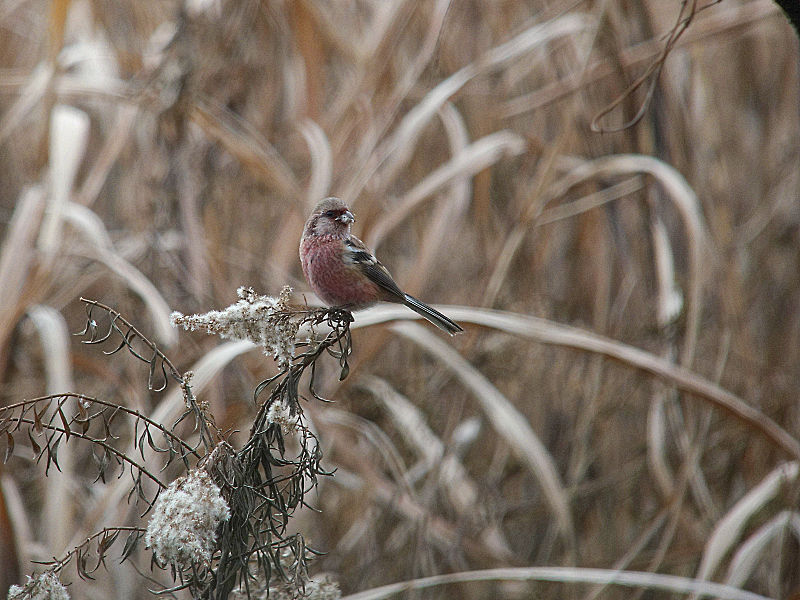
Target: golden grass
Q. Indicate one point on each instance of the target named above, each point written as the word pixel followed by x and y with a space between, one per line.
pixel 631 298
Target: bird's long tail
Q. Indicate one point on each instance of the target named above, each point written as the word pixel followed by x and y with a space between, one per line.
pixel 433 315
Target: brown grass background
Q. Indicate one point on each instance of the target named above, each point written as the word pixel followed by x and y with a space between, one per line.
pixel 201 133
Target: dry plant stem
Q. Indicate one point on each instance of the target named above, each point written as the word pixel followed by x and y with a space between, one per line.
pixel 82 416
pixel 169 410
pixel 46 418
pixel 128 334
pixel 264 487
pixel 105 539
pixel 652 72
pixel 54 439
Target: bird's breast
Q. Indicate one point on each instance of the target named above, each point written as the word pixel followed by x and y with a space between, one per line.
pixel 336 282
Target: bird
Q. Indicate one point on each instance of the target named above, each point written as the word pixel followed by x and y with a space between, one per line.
pixel 344 273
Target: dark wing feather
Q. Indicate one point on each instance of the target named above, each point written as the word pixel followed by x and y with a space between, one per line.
pixel 356 252
pixel 381 276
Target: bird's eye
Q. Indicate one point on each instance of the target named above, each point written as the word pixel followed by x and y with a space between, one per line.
pixel 330 213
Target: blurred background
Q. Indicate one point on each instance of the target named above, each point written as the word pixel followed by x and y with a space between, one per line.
pixel 630 169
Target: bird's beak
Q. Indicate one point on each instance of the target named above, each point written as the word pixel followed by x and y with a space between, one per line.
pixel 346 217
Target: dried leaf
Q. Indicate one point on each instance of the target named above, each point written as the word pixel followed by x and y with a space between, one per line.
pixel 64 423
pixel 52 455
pixel 131 543
pixel 9 447
pixel 37 449
pixel 152 443
pixel 106 542
pixel 102 464
pixel 37 420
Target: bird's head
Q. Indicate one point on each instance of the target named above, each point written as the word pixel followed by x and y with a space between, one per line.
pixel 331 216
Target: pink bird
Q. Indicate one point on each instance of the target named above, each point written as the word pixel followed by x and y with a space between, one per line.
pixel 344 273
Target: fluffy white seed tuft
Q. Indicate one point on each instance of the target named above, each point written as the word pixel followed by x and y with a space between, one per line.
pixel 45 586
pixel 182 530
pixel 266 321
pixel 280 414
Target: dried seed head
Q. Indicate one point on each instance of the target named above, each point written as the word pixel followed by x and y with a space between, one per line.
pixel 45 586
pixel 269 322
pixel 182 529
pixel 280 414
pixel 322 587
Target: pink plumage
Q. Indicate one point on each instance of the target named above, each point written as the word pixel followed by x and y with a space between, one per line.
pixel 344 273
pixel 336 283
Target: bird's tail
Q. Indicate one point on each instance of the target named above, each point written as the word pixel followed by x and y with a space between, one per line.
pixel 433 315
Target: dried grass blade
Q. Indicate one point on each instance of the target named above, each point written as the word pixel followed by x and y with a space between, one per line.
pixel 547 332
pixel 248 146
pixel 730 527
pixel 753 549
pixel 394 153
pixel 685 200
pixel 670 299
pixel 453 477
pixel 101 250
pixel 472 159
pixel 321 161
pixel 55 340
pixel 507 421
pixel 113 146
pixel 16 257
pixel 30 95
pixel 69 130
pixel 637 579
pixel 656 444
pixel 408 419
pixel 591 201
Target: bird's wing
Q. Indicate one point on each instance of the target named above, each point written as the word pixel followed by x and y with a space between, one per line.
pixel 357 253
